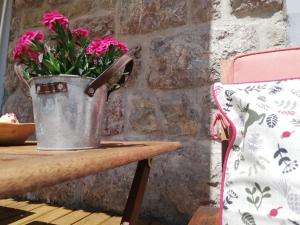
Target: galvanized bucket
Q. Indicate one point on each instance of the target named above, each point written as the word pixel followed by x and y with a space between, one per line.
pixel 68 109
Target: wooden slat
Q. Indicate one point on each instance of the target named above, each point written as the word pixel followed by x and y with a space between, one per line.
pixel 24 212
pixel 35 214
pixel 5 202
pixel 20 173
pixel 31 206
pixel 93 219
pixel 17 204
pixel 71 218
pixel 16 211
pixel 53 215
pixel 112 221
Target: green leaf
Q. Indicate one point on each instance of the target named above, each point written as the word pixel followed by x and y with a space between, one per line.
pixel 250 200
pixel 253 190
pixel 257 200
pixel 26 75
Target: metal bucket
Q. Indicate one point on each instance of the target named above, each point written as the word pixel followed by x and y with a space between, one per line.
pixel 68 109
pixel 65 117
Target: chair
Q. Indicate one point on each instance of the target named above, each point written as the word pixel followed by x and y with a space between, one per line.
pixel 253 67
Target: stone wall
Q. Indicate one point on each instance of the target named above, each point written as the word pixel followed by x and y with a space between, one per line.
pixel 178 46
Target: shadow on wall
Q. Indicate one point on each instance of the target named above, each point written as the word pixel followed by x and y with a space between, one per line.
pixel 177 46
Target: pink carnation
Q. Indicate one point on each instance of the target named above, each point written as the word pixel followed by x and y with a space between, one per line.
pixel 123 48
pixel 80 33
pixel 22 50
pixel 50 18
pixel 97 47
pixel 18 53
pixel 27 38
pixel 117 44
pixel 100 47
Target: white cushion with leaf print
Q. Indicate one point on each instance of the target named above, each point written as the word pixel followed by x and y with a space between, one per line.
pixel 261 179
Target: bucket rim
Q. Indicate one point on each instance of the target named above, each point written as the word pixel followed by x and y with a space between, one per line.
pixel 60 75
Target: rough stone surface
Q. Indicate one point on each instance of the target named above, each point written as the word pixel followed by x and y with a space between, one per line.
pixel 178 46
pixel 142 16
pixel 180 116
pixel 113 122
pixel 21 105
pixel 255 7
pixel 180 61
pixel 98 25
pixel 136 53
pixel 204 11
pixel 11 80
pixel 229 40
pixel 28 3
pixel 142 115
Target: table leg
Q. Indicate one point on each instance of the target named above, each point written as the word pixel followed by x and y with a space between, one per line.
pixel 135 198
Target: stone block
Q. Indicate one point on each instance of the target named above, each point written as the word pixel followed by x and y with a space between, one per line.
pixel 142 115
pixel 181 60
pixel 11 80
pixel 256 8
pixel 144 16
pixel 32 17
pixel 136 53
pixel 21 105
pixel 204 11
pixel 19 4
pixel 113 122
pixel 97 25
pixel 180 117
pixel 228 41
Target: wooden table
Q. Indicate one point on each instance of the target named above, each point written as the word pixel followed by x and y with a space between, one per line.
pixel 24 169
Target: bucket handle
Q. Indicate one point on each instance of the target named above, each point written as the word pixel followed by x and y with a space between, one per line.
pixel 18 70
pixel 124 61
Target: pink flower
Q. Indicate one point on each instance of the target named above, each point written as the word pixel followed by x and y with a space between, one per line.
pixel 123 48
pixel 18 53
pixel 80 33
pixel 117 44
pixel 23 50
pixel 50 18
pixel 97 47
pixel 27 38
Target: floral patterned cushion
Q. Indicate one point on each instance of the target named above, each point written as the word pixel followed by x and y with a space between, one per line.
pixel 261 177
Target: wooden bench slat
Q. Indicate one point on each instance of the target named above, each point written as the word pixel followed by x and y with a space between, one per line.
pixel 53 215
pixel 112 221
pixel 35 214
pixel 93 219
pixel 71 218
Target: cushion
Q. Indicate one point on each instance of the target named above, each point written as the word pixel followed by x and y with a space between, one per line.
pixel 260 182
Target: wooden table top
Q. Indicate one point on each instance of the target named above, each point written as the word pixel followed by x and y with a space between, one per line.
pixel 23 168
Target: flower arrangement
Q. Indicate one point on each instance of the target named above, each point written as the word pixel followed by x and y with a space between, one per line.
pixel 67 52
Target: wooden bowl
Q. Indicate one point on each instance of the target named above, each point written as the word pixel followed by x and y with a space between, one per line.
pixel 15 134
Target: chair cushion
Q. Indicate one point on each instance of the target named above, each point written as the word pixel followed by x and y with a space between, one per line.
pixel 262 66
pixel 260 183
